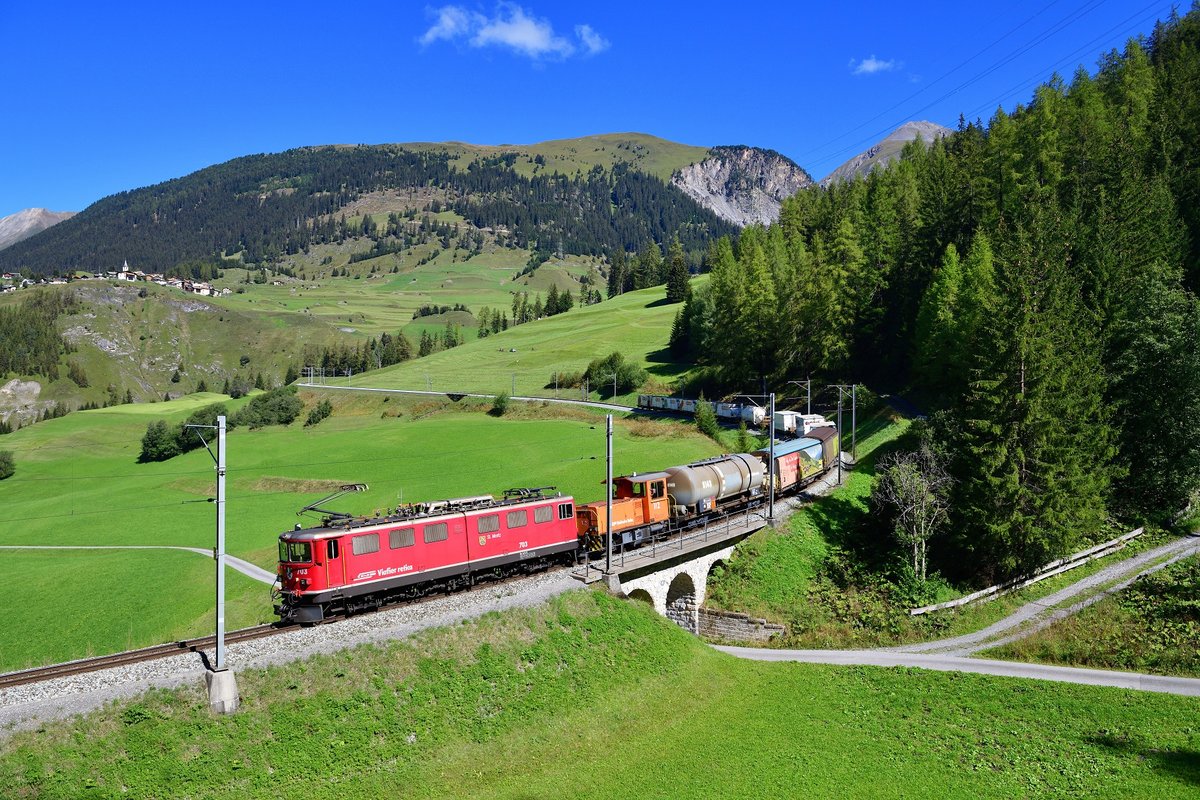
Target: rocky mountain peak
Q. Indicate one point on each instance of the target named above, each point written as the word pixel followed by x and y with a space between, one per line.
pixel 24 224
pixel 744 185
pixel 886 150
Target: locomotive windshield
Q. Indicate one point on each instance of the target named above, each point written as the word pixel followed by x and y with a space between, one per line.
pixel 295 551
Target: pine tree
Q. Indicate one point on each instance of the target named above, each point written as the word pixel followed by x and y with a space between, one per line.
pixel 159 443
pixel 678 286
pixel 938 322
pixel 706 418
pixel 1157 390
pixel 1032 460
pixel 756 319
pixel 617 269
pixel 728 295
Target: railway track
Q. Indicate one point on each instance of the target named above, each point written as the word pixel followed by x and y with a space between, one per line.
pixel 39 674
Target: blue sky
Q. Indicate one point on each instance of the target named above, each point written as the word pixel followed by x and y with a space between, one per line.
pixel 103 97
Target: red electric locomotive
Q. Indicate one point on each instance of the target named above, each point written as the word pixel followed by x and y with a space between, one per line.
pixel 349 564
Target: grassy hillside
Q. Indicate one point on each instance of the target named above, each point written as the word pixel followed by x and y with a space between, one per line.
pixel 133 343
pixel 588 696
pixel 647 153
pixel 373 299
pixel 78 483
pixel 637 324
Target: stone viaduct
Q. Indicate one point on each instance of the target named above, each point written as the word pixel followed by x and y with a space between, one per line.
pixel 677 590
pixel 673 578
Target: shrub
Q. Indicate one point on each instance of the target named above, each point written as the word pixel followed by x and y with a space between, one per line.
pixel 322 410
pixel 7 465
pixel 277 407
pixel 600 373
pixel 565 380
pixel 499 404
pixel 159 442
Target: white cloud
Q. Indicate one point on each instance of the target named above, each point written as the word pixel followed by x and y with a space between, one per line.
pixel 512 28
pixel 592 41
pixel 525 34
pixel 452 22
pixel 870 65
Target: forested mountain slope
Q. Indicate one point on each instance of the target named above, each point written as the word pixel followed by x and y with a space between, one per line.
pixel 1032 279
pixel 268 206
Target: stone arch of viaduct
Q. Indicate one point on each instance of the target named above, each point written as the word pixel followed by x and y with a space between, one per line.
pixel 677 590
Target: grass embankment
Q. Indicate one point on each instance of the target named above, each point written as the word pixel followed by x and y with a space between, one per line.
pixel 811 575
pixel 588 696
pixel 634 324
pixel 1152 626
pixel 78 483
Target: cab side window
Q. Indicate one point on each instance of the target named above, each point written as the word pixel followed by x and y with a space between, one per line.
pixel 331 548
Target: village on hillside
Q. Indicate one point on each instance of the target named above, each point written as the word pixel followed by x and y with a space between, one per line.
pixel 12 281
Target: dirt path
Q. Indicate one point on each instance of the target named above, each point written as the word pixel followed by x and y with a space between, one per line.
pixel 1039 614
pixel 953 654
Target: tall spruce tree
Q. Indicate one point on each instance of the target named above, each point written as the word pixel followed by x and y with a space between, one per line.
pixel 1157 391
pixel 938 332
pixel 678 277
pixel 618 268
pixel 1032 460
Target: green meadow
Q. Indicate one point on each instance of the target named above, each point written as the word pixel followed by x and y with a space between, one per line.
pixel 589 696
pixel 634 324
pixel 78 482
pixel 374 299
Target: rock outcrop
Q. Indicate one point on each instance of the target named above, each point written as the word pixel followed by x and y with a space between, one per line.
pixel 744 185
pixel 885 151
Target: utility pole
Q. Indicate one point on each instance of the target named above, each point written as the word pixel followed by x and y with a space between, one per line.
pixel 514 385
pixel 222 684
pixel 842 391
pixel 854 422
pixel 608 495
pixel 770 451
pixel 771 464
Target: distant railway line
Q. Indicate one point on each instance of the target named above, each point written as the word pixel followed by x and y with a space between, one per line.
pixel 480 395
